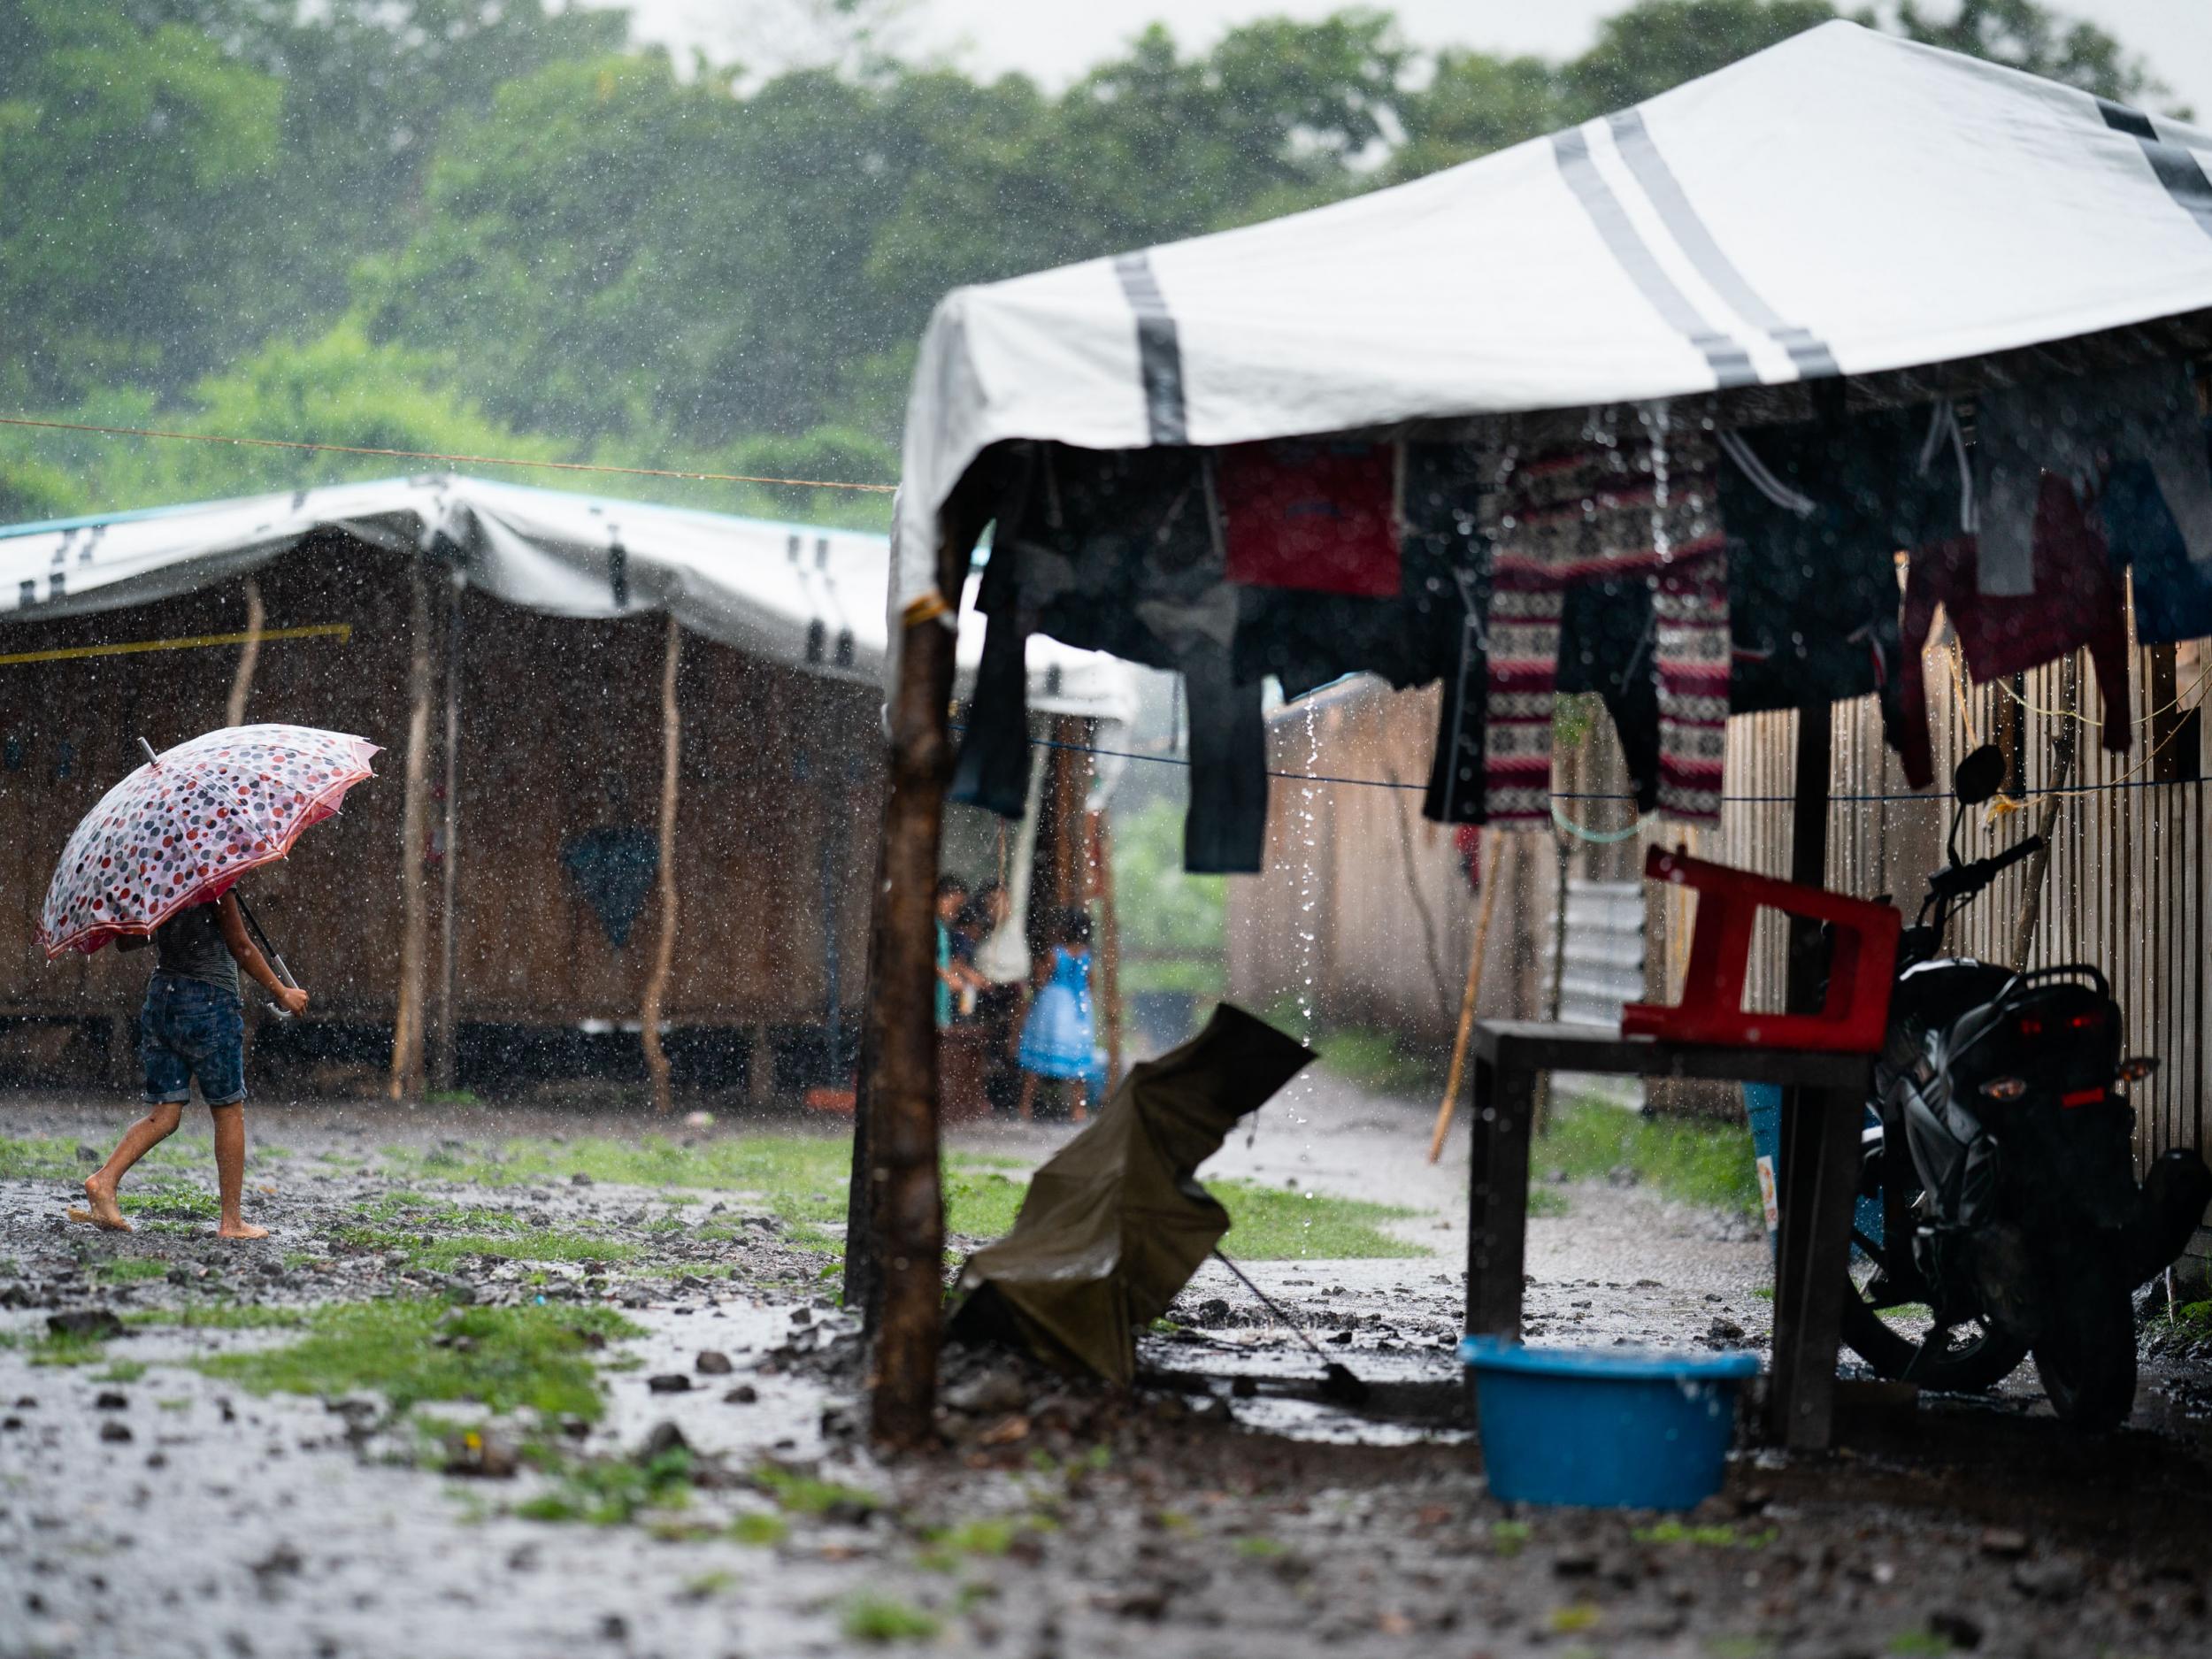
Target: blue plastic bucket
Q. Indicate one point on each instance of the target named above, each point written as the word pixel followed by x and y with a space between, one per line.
pixel 1604 1428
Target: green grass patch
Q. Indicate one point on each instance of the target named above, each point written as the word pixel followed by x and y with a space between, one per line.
pixel 413 1351
pixel 1919 1644
pixel 1374 1060
pixel 1697 1163
pixel 219 1316
pixel 1704 1537
pixel 130 1270
pixel 123 1370
pixel 1259 1547
pixel 170 1201
pixel 982 1203
pixel 798 1493
pixel 1509 1538
pixel 51 1157
pixel 880 1619
pixel 760 1530
pixel 1547 1201
pixel 605 1492
pixel 59 1348
pixel 1273 1224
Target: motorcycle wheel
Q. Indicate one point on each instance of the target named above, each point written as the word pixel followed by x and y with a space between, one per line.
pixel 2086 1355
pixel 1974 1359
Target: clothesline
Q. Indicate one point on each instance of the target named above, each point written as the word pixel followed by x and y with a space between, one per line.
pixel 433 454
pixel 1926 798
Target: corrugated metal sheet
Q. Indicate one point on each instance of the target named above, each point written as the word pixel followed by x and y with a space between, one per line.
pixel 1605 951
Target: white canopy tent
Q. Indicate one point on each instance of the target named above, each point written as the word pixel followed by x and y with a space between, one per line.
pixel 791 594
pixel 1845 202
pixel 1846 205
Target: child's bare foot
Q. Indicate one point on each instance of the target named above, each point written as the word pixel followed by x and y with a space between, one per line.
pixel 240 1230
pixel 103 1212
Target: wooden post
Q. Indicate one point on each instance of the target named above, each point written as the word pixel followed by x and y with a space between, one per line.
pixel 445 1029
pixel 249 655
pixel 665 949
pixel 1109 947
pixel 902 1021
pixel 407 1076
pixel 1819 1135
pixel 1473 989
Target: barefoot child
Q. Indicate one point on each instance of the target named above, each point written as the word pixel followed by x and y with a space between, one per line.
pixel 192 1024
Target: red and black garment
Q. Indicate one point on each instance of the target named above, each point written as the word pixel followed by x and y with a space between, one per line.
pixel 1643 506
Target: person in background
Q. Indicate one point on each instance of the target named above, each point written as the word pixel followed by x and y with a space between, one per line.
pixel 192 1024
pixel 997 1012
pixel 952 893
pixel 1058 1039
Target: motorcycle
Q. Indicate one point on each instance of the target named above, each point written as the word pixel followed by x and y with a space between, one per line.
pixel 2003 1215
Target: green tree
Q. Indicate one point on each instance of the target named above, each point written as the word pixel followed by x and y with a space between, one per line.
pixel 125 150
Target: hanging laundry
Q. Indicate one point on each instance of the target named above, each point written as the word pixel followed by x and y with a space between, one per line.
pixel 2076 602
pixel 1608 639
pixel 1314 515
pixel 2173 593
pixel 2073 428
pixel 1643 504
pixel 614 867
pixel 1815 512
pixel 1307 639
pixel 1117 551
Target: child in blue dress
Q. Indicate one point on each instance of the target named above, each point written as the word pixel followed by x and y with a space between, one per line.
pixel 1058 1039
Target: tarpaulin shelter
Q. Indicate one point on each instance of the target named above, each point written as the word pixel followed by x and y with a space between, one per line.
pixel 507 646
pixel 1846 219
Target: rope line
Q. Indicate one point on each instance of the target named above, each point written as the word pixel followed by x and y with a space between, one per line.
pixel 342 632
pixel 433 454
pixel 1930 798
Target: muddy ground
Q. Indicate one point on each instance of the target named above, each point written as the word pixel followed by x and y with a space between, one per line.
pixel 699 1490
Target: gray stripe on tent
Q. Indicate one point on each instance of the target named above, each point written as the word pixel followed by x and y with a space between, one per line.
pixel 1731 363
pixel 1807 350
pixel 1159 349
pixel 2176 166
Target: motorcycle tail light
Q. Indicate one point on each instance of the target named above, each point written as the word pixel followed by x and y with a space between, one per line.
pixel 2136 1067
pixel 2086 1022
pixel 2005 1087
pixel 2083 1097
pixel 2031 1027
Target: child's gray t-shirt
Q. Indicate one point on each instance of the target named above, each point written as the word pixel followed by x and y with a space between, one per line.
pixel 190 945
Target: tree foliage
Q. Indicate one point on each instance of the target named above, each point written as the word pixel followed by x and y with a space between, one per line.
pixel 496 225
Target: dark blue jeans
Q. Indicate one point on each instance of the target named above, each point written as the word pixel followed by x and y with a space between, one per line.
pixel 189 1028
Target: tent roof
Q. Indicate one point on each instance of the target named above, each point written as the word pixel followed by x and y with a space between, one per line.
pixel 1845 202
pixel 811 598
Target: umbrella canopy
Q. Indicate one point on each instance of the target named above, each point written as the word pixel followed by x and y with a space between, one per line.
pixel 1845 202
pixel 1114 1224
pixel 184 826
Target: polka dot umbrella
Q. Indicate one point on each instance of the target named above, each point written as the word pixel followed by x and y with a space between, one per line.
pixel 184 826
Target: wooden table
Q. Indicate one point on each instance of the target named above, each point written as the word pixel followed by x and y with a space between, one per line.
pixel 1824 1105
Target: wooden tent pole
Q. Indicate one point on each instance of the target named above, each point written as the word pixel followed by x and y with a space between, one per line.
pixel 1468 996
pixel 249 655
pixel 902 1093
pixel 406 1075
pixel 1109 946
pixel 665 949
pixel 445 1034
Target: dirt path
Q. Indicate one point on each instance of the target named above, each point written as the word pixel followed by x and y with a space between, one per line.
pixel 150 1506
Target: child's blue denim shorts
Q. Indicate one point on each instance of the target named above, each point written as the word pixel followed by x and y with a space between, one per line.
pixel 189 1028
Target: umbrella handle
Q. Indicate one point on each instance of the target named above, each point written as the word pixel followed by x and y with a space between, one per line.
pixel 276 956
pixel 152 759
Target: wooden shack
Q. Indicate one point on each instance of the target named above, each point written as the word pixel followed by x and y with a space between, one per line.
pixel 548 849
